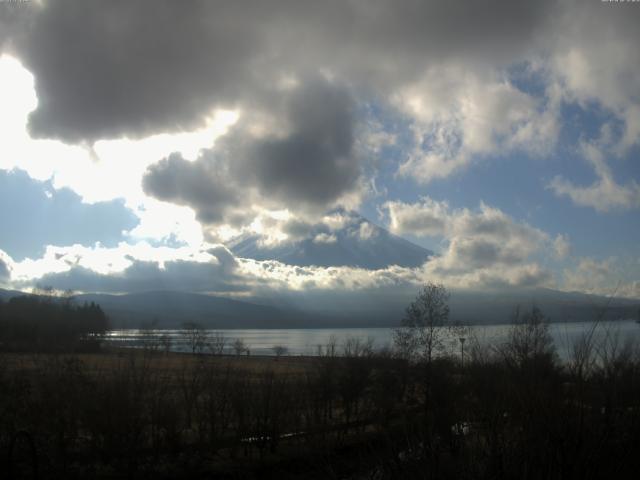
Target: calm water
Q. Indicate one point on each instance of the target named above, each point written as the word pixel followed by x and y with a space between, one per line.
pixel 306 341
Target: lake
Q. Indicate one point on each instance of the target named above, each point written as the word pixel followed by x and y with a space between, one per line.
pixel 300 341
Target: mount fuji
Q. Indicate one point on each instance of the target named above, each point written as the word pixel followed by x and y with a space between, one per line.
pixel 356 243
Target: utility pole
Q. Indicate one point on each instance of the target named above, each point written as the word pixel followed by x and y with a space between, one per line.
pixel 462 340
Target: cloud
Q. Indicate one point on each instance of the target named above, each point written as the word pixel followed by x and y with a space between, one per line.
pixel 128 268
pixel 209 268
pixel 460 116
pixel 446 67
pixel 5 268
pixel 470 81
pixel 367 231
pixel 307 163
pixel 204 185
pixel 591 269
pixel 590 276
pixel 325 238
pixel 124 69
pixel 528 275
pixel 610 276
pixel 485 247
pixel 281 228
pixel 428 218
pixel 178 275
pixel 213 268
pixel 107 169
pixel 605 194
pixel 225 258
pixel 594 59
pixel 313 161
pixel 40 215
pixel 562 246
pixel 92 83
pixel 485 226
pixel 13 15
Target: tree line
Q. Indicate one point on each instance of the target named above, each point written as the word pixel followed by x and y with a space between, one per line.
pixel 50 323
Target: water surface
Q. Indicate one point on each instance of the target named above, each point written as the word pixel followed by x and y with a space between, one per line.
pixel 299 341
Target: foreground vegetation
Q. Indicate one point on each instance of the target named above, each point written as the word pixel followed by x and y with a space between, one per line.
pixel 505 411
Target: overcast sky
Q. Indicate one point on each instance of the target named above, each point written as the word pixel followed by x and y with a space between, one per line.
pixel 137 139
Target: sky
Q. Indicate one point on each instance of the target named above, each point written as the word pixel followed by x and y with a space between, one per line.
pixel 140 140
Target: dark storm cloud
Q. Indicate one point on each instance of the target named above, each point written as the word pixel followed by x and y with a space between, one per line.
pixel 13 18
pixel 314 163
pixel 35 215
pixel 203 185
pixel 107 69
pixel 310 166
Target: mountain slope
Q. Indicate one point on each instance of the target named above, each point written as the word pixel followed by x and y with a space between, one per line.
pixel 171 309
pixel 359 243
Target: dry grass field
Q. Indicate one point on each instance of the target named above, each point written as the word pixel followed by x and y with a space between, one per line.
pixel 169 363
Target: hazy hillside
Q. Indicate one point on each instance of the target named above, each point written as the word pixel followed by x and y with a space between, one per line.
pixel 169 309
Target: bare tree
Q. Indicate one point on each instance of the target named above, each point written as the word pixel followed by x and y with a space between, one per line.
pixel 217 342
pixel 421 332
pixel 194 335
pixel 329 350
pixel 239 346
pixel 529 338
pixel 165 341
pixel 356 347
pixel 279 350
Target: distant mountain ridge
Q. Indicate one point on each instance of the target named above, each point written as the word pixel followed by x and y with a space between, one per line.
pixel 358 243
pixel 170 309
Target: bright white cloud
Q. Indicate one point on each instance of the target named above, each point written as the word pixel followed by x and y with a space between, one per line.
pixel 17 96
pixel 433 218
pixel 485 247
pixel 325 238
pixel 425 219
pixel 460 115
pixel 102 260
pixel 5 268
pixel 160 220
